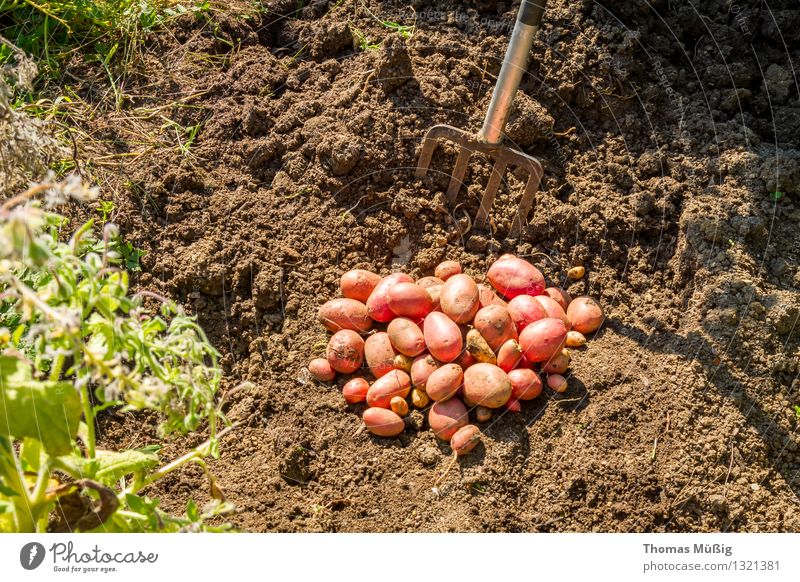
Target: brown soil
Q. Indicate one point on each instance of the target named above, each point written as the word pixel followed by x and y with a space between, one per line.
pixel 664 133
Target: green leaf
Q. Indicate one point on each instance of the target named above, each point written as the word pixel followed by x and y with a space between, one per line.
pixel 47 411
pixel 30 453
pixel 7 491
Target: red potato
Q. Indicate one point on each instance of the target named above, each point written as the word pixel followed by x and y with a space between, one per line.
pixel 488 297
pixel 358 284
pixel 410 300
pixel 444 382
pixel 435 293
pixel 585 314
pixel 512 276
pixel 422 368
pixel 395 383
pixel 525 384
pixel 406 336
pixel 465 439
pixel 459 298
pixel 321 369
pixel 509 356
pixel 345 351
pixel 428 282
pixel 552 308
pixel 338 314
pixel 378 301
pixel 447 269
pixel 445 418
pixel 355 390
pixel 559 296
pixel 486 385
pixel 383 422
pixel 442 336
pixel 380 354
pixel 465 360
pixel 495 325
pixel 543 339
pixel 558 364
pixel 524 310
pixel 513 405
pixel 557 383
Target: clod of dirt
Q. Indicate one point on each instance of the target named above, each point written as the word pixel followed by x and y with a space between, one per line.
pixel 295 466
pixel 394 67
pixel 782 173
pixel 327 40
pixel 341 152
pixel 529 122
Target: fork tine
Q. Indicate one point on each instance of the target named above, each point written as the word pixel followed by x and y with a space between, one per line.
pixel 428 145
pixel 525 203
pixel 492 186
pixel 459 171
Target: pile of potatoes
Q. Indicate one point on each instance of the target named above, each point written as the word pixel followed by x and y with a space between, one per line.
pixel 447 339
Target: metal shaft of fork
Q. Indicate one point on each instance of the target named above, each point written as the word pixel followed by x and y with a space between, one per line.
pixel 515 63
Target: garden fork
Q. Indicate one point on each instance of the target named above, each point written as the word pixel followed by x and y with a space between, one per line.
pixel 490 138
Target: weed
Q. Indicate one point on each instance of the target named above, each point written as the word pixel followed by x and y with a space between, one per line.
pixel 105 208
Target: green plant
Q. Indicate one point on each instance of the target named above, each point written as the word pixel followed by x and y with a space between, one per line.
pixel 362 42
pixel 73 342
pixel 53 30
pixel 105 208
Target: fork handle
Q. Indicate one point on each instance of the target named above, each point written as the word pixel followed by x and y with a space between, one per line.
pixel 515 63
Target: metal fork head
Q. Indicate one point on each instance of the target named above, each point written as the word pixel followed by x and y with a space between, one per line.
pixel 503 158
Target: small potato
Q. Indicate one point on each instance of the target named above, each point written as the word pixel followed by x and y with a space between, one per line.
pixel 383 422
pixel 355 390
pixel 403 362
pixel 495 325
pixel 479 348
pixel 447 269
pixel 552 308
pixel 399 406
pixel 406 336
pixel 509 356
pixel 444 382
pixel 483 414
pixel 409 300
pixel 557 382
pixel 378 302
pixel 525 384
pixel 542 339
pixel 379 353
pixel 486 385
pixel 424 365
pixel 359 284
pixel 524 310
pixel 559 296
pixel 585 314
pixel 513 405
pixel 338 314
pixel 575 339
pixel 465 360
pixel 345 351
pixel 576 272
pixel 442 336
pixel 435 293
pixel 321 369
pixel 395 383
pixel 465 439
pixel 488 297
pixel 512 276
pixel 558 364
pixel 428 282
pixel 459 298
pixel 445 418
pixel 419 398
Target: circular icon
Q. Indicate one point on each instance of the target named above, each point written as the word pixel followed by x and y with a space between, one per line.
pixel 31 555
